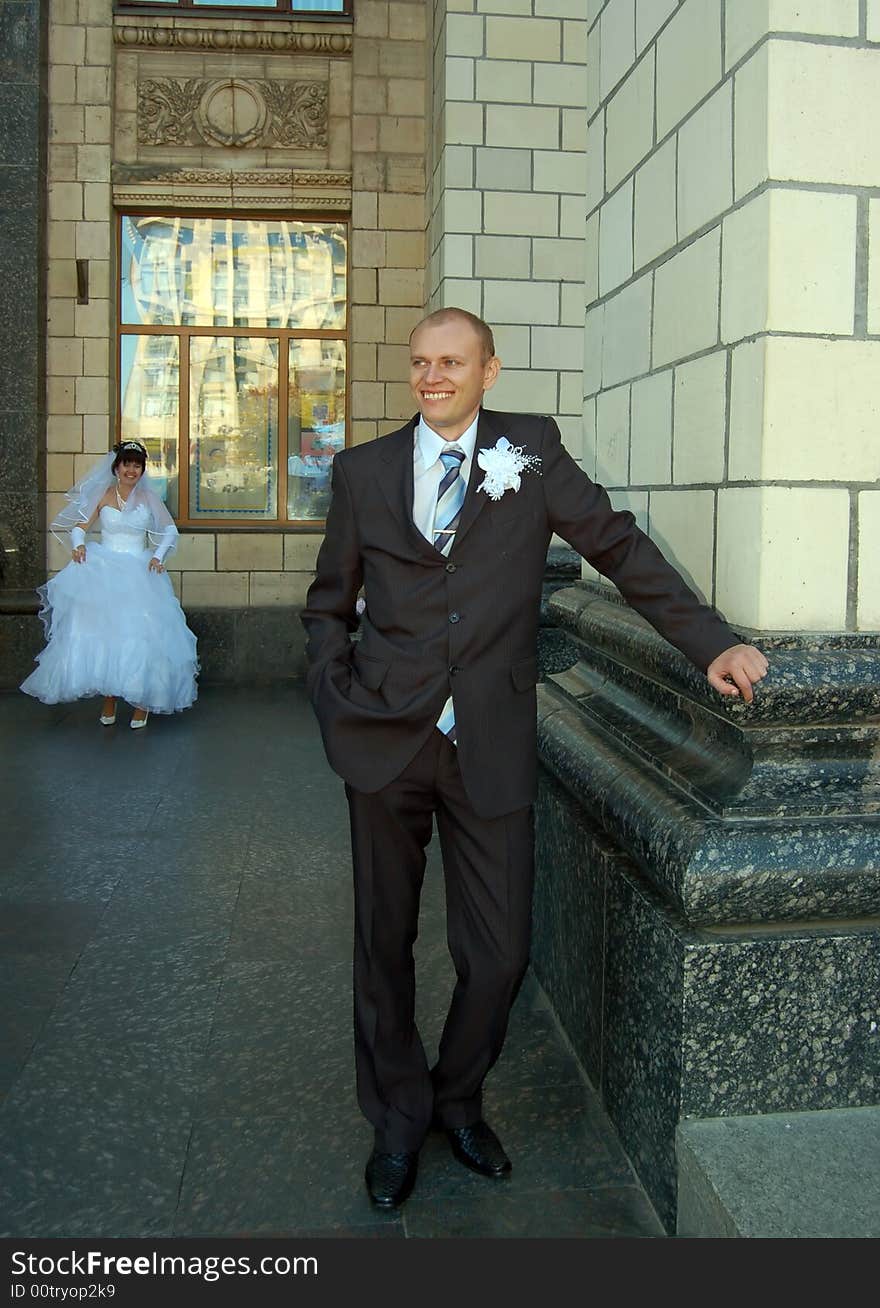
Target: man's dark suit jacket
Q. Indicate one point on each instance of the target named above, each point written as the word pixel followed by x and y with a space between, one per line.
pixel 467 623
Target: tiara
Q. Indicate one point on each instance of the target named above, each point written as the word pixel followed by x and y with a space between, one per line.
pixel 133 445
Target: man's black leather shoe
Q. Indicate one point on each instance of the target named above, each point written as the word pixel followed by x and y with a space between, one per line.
pixel 479 1148
pixel 391 1177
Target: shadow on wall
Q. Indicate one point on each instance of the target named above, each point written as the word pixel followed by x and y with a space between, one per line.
pixel 669 552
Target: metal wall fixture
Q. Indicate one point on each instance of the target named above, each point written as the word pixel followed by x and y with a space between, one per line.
pixel 82 281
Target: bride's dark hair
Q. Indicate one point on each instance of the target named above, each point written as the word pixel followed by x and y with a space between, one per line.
pixel 129 452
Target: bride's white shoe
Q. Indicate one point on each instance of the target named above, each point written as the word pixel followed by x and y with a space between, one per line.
pixel 137 723
pixel 108 719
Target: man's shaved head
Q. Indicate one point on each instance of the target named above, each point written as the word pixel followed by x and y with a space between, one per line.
pixel 482 329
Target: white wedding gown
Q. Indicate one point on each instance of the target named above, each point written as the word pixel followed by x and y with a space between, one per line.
pixel 114 627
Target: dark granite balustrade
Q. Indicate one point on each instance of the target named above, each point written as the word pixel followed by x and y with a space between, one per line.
pixel 707 913
pixel 23 119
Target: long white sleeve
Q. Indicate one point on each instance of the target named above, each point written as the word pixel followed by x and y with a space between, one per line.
pixel 77 537
pixel 167 543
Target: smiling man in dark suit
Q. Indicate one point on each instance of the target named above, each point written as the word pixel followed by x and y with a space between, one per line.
pixel 432 714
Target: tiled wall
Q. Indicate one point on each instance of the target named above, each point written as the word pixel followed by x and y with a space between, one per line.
pixel 507 195
pixel 732 338
pixel 388 207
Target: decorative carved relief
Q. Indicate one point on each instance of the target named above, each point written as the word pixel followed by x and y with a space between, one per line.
pixel 319 179
pixel 170 197
pixel 167 109
pixel 227 177
pixel 299 112
pixel 212 38
pixel 206 199
pixel 232 112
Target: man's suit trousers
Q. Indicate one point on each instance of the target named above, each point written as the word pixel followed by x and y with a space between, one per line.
pixel 489 872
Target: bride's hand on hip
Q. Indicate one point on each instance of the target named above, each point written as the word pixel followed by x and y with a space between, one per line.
pixel 156 566
pixel 79 554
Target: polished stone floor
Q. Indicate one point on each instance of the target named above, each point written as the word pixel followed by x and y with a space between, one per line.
pixel 175 927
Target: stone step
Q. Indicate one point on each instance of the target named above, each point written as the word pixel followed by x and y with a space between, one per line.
pixel 780 1175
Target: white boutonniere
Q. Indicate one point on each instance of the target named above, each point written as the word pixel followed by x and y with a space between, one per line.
pixel 503 464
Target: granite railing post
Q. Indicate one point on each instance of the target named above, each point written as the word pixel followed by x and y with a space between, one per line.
pixel 23 173
pixel 707 910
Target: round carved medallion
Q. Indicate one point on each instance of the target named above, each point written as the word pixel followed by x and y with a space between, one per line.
pixel 232 112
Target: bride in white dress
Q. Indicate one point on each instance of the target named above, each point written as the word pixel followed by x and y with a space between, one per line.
pixel 113 623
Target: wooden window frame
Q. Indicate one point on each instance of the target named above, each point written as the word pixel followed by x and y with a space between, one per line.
pixel 282 334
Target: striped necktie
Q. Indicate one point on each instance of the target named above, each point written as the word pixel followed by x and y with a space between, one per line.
pixel 450 497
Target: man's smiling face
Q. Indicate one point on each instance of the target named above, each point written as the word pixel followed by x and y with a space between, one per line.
pixel 448 375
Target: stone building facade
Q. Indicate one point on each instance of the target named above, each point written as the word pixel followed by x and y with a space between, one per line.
pixel 670 212
pixel 110 78
pixel 452 147
pixel 664 208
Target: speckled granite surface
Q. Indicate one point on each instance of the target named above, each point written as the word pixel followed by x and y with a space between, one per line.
pixel 708 897
pixel 735 813
pixel 672 1021
pixel 23 152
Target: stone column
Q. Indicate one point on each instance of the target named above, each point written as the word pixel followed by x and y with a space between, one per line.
pixel 799 512
pixel 23 117
pixel 80 227
pixel 714 867
pixel 733 320
pixel 62 350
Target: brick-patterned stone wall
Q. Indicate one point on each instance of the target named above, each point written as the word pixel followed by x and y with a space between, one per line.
pixel 507 193
pixel 388 207
pixel 732 336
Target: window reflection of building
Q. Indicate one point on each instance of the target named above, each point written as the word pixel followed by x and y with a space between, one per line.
pixel 150 404
pixel 316 423
pixel 258 283
pixel 233 409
